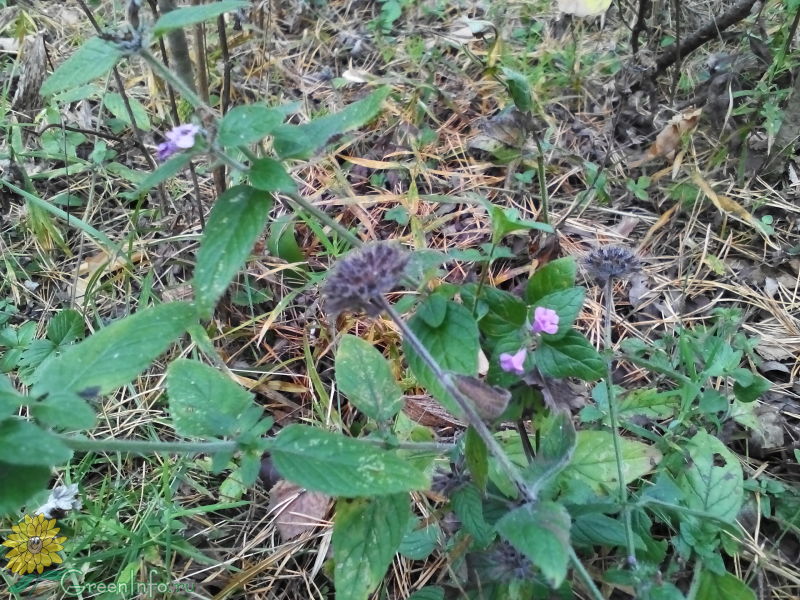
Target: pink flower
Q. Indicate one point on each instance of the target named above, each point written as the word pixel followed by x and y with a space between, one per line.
pixel 178 138
pixel 514 363
pixel 545 320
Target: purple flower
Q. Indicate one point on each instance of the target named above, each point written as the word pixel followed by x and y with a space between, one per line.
pixel 514 363
pixel 545 320
pixel 177 139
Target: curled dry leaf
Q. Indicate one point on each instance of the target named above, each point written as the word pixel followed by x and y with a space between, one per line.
pixel 296 510
pixel 668 141
pixel 490 401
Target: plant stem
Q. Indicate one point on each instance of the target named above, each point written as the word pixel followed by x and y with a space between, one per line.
pixel 144 447
pixel 612 415
pixel 466 405
pixel 189 94
pixel 584 575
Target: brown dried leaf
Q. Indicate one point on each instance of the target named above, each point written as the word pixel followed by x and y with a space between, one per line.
pixel 668 141
pixel 296 510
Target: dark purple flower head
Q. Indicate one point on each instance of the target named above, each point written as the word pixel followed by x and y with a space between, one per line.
pixel 359 280
pixel 609 262
pixel 509 563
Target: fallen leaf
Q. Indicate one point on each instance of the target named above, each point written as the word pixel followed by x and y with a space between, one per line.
pixel 583 8
pixel 668 141
pixel 729 206
pixel 296 510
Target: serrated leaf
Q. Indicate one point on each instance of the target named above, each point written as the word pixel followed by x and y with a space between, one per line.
pixel 244 125
pixel 25 443
pixel 189 15
pixel 506 313
pixel 594 463
pixel 269 175
pixel 567 304
pixel 366 535
pixel 454 344
pixel 65 327
pixel 115 354
pixel 237 219
pixel 556 275
pixel 540 532
pixel 365 377
pixel 570 356
pixel 419 540
pixel 205 403
pixel 92 60
pixel 712 481
pixel 340 466
pixel 468 506
pixel 300 141
pixel 28 481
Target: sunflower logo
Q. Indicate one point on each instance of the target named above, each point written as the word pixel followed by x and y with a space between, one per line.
pixel 34 545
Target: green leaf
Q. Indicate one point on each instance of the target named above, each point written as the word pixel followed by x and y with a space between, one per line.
pixel 570 356
pixel 519 89
pixel 567 304
pixel 92 60
pixel 365 377
pixel 10 398
pixel 454 344
pixel 172 167
pixel 727 586
pixel 555 276
pixel 429 592
pixel 205 403
pixel 340 466
pixel 506 220
pixel 282 242
pixel 750 391
pixel 23 481
pixel 236 221
pixel 65 327
pixel 476 456
pixel 468 506
pixel 27 444
pixel 558 440
pixel 300 141
pixel 366 535
pixel 115 354
pixel 540 532
pixel 419 540
pixel 712 479
pixel 116 106
pixel 433 310
pixel 244 125
pixel 64 410
pixel 505 315
pixel 593 460
pixel 189 15
pixel 268 174
pixel 597 529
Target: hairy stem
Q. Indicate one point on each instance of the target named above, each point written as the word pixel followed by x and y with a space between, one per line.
pixel 464 403
pixel 584 575
pixel 144 447
pixel 612 415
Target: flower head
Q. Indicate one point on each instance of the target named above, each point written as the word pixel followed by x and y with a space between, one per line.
pixel 359 281
pixel 63 499
pixel 509 563
pixel 545 320
pixel 514 363
pixel 34 545
pixel 608 262
pixel 177 139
